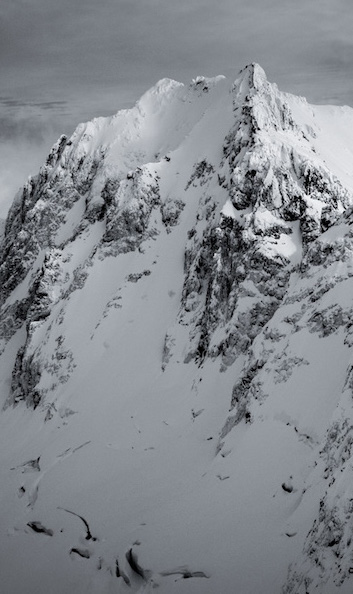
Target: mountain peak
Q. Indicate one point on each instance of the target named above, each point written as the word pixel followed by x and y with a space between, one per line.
pixel 160 94
pixel 251 78
pixel 255 75
pixel 175 340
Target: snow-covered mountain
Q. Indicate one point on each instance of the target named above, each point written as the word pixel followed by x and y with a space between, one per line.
pixel 176 367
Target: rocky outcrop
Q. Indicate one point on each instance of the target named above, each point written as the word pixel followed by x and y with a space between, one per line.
pixel 129 211
pixel 278 202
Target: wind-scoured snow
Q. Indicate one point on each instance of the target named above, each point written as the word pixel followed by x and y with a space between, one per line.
pixel 176 367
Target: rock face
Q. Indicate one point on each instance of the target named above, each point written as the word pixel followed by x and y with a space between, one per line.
pixel 176 319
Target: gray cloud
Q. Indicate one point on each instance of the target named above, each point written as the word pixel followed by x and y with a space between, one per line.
pixel 117 43
pixel 46 105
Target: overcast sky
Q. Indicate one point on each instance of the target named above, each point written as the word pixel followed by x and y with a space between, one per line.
pixel 66 61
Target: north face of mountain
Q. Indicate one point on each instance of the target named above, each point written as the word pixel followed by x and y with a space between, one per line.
pixel 176 338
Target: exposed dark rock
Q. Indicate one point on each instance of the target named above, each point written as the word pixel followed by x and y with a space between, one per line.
pixel 185 572
pixel 202 173
pixel 84 553
pixel 128 214
pixel 25 377
pixel 136 276
pixel 88 531
pixel 171 210
pixel 287 487
pixel 132 560
pixel 29 466
pixel 40 529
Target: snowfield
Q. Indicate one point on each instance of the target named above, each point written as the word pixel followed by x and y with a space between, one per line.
pixel 175 337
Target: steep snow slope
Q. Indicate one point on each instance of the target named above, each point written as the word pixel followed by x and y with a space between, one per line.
pixel 176 350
